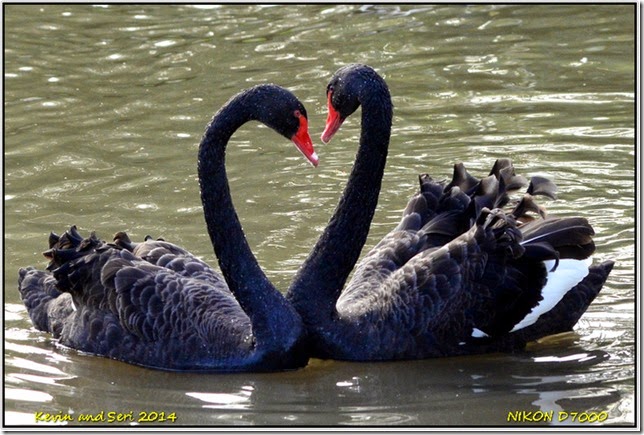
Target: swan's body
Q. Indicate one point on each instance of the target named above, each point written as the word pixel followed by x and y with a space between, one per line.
pixel 156 305
pixel 457 276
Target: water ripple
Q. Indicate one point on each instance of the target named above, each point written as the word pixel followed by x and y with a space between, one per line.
pixel 104 108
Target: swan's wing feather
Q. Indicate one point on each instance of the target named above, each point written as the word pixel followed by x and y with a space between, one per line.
pixel 465 196
pixel 177 259
pixel 481 281
pixel 571 237
pixel 389 255
pixel 542 186
pixel 528 284
pixel 157 304
pixel 485 268
pixel 150 301
pixel 486 287
pixel 462 179
pixel 189 266
pixel 571 307
pixel 128 308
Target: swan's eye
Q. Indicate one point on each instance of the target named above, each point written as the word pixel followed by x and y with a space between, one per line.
pixel 297 114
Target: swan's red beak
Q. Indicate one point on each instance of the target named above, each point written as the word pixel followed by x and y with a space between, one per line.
pixel 333 121
pixel 303 142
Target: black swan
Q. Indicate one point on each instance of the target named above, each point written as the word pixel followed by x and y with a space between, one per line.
pixel 154 304
pixel 457 276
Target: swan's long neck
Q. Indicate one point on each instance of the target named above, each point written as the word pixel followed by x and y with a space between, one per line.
pixel 265 306
pixel 321 278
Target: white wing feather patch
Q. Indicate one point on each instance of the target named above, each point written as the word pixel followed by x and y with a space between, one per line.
pixel 477 333
pixel 568 274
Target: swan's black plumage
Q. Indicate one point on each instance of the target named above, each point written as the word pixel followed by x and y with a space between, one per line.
pixel 466 271
pixel 155 304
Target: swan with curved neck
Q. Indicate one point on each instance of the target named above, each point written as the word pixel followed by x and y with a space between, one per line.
pixel 457 276
pixel 155 305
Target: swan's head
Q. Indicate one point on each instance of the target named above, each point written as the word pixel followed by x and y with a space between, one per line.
pixel 280 110
pixel 346 90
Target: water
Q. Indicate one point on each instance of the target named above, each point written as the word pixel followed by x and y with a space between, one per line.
pixel 105 106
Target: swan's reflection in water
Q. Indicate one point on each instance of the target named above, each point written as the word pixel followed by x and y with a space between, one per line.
pixel 454 391
pixel 558 374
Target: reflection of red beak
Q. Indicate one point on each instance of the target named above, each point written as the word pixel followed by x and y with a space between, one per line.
pixel 303 142
pixel 333 121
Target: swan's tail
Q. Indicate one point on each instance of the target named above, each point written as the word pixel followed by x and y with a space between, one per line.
pixel 47 307
pixel 565 246
pixel 548 281
pixel 567 312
